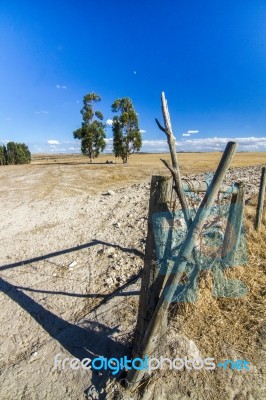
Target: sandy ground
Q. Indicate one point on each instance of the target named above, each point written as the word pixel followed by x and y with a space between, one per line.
pixel 70 265
pixel 43 298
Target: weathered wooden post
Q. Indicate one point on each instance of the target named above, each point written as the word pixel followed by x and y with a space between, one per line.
pixel 234 225
pixel 259 213
pixel 152 280
pixel 152 334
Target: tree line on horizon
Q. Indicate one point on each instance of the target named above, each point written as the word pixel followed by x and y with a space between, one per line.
pixel 125 126
pixel 14 153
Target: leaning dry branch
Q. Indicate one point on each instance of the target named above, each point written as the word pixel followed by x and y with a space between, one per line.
pixel 169 132
pixel 159 125
pixel 180 192
pixel 174 169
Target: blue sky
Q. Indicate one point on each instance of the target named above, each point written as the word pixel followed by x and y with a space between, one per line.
pixel 209 57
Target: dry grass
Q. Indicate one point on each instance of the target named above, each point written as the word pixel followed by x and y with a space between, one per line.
pixel 193 162
pixel 220 326
pixel 223 328
pixel 100 176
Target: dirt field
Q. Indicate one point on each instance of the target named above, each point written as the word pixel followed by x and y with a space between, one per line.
pixel 74 175
pixel 71 257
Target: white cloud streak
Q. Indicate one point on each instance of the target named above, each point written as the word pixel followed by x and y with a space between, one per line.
pixel 61 87
pixel 53 141
pixel 207 144
pixel 74 148
pixel 187 144
pixel 191 132
pixel 57 150
pixel 68 142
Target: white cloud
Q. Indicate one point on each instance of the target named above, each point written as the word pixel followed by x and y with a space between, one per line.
pixel 155 146
pixel 74 148
pixel 142 131
pixel 68 142
pixel 186 144
pixel 154 142
pixel 109 122
pixel 196 131
pixel 61 87
pixel 53 142
pixel 216 143
pixel 57 150
pixel 206 145
pixel 109 145
pixel 157 143
pixel 135 72
pixel 42 112
pixel 185 134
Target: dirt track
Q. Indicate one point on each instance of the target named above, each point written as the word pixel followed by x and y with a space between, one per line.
pixel 51 219
pixel 45 228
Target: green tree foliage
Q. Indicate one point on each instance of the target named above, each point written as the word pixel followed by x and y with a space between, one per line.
pixel 2 155
pixel 127 136
pixel 14 153
pixel 92 131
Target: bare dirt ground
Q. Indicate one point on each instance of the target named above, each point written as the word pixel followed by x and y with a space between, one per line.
pixel 71 257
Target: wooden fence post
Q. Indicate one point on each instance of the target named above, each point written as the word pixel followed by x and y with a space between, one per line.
pixel 259 213
pixel 152 280
pixel 234 225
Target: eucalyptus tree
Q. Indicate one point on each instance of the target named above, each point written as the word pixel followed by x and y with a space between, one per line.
pixel 126 134
pixel 92 130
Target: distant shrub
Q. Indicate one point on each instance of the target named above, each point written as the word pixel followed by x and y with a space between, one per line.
pixel 14 153
pixel 2 155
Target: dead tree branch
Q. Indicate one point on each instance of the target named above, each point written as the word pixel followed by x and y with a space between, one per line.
pixel 159 125
pixel 174 169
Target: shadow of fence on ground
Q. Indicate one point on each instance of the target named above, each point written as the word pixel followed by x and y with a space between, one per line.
pixel 80 342
pixel 70 250
pixel 89 341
